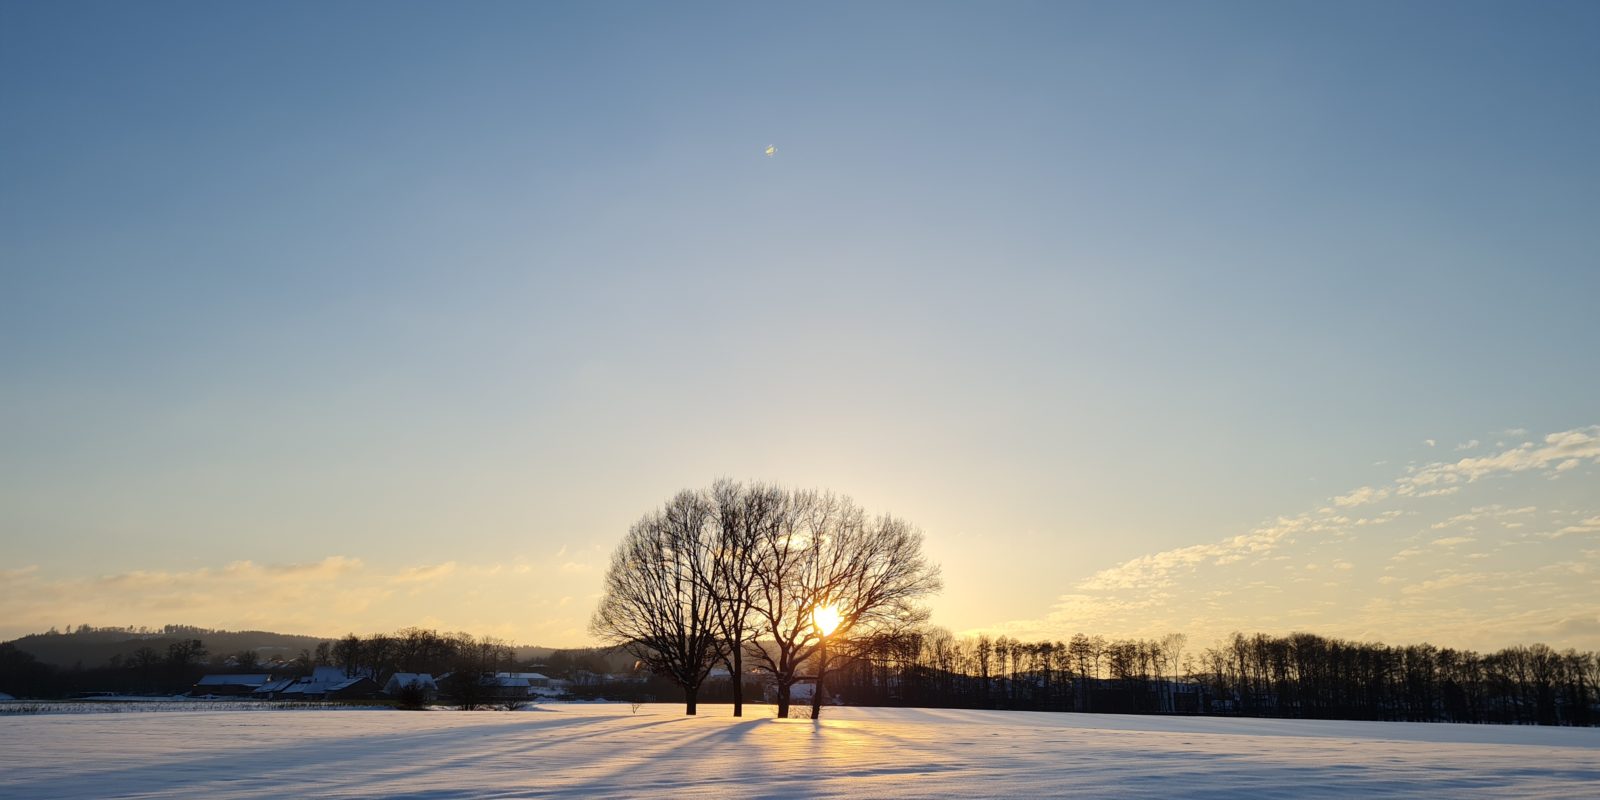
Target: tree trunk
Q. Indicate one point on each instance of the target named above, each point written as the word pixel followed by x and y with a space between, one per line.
pixel 738 681
pixel 822 670
pixel 783 701
pixel 689 700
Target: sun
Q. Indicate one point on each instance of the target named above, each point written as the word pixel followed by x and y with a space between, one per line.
pixel 826 618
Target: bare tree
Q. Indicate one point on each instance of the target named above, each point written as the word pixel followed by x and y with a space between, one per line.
pixel 744 518
pixel 823 551
pixel 658 603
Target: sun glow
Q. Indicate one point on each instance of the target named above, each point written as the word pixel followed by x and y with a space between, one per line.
pixel 826 618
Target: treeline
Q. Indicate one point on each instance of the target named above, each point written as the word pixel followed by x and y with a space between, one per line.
pixel 379 656
pixel 146 671
pixel 1301 675
pixel 131 630
pixel 175 668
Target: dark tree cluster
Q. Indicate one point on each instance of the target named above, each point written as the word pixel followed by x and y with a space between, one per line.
pixel 146 671
pixel 1301 675
pixel 1088 673
pixel 736 574
pixel 1305 675
pixel 380 656
pixel 176 668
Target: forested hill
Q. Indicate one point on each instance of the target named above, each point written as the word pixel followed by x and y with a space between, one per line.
pixel 97 647
pixel 91 648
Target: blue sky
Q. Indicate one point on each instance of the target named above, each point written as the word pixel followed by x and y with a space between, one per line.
pixel 402 285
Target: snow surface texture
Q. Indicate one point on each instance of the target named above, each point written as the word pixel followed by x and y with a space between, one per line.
pixel 603 750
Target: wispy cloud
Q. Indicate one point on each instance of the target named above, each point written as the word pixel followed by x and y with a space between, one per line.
pixel 1239 581
pixel 1451 581
pixel 1360 497
pixel 1590 525
pixel 1574 445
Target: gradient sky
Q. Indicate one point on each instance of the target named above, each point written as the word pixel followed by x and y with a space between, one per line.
pixel 323 317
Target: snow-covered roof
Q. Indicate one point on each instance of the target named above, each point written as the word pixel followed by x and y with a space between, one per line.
pixel 234 680
pixel 401 679
pixel 532 676
pixel 327 675
pixel 309 686
pixel 274 686
pixel 4 697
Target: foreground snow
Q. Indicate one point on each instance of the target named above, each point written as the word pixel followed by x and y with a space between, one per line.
pixel 580 751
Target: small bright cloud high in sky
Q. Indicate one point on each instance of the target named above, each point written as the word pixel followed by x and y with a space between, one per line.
pixel 1154 317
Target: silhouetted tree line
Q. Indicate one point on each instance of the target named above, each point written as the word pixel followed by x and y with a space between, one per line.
pixel 380 656
pixel 131 630
pixel 146 671
pixel 1301 675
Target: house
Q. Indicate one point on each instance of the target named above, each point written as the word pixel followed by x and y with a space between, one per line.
pixel 271 689
pixel 327 675
pixel 352 689
pixel 506 687
pixel 228 685
pixel 534 679
pixel 328 683
pixel 401 680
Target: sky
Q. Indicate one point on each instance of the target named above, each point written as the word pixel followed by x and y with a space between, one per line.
pixel 1162 316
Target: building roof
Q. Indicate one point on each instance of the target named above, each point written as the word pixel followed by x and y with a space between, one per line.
pixel 233 680
pixel 401 679
pixel 327 675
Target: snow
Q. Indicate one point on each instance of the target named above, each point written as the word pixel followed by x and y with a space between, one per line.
pixel 604 750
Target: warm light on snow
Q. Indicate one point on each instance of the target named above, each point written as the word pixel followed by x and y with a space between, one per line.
pixel 605 750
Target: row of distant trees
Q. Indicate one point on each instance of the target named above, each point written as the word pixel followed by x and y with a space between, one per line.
pixel 176 667
pixel 714 572
pixel 1301 675
pixel 379 656
pixel 145 670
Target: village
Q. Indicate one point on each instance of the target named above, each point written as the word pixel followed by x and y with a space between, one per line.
pixel 329 683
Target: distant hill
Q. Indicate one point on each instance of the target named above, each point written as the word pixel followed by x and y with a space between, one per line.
pixel 95 647
pixel 528 653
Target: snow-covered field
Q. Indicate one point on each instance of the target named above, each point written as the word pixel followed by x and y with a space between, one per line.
pixel 604 750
